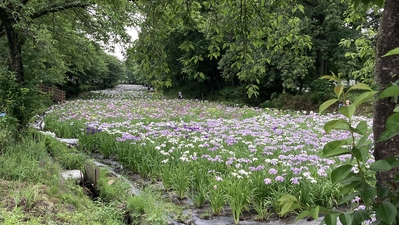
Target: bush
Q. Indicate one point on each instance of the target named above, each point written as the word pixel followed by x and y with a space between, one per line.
pixel 321 91
pixel 21 102
pixel 288 101
pixel 8 130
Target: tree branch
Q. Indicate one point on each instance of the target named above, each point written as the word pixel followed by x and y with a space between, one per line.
pixel 3 20
pixel 58 8
pixel 2 29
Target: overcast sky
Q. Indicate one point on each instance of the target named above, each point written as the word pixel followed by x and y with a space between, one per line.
pixel 120 49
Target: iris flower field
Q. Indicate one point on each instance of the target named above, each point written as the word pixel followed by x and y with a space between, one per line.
pixel 228 157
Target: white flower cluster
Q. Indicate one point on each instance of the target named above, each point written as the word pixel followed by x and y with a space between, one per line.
pixel 309 177
pixel 240 174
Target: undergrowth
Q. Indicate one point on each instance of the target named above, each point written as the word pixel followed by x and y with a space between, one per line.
pixel 32 190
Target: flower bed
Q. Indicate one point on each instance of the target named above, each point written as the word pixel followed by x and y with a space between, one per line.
pixel 227 156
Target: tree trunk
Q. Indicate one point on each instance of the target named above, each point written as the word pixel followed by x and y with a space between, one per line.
pixel 385 68
pixel 321 68
pixel 16 57
pixel 14 46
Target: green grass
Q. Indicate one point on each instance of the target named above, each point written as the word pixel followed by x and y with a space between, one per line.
pixel 33 192
pixel 155 209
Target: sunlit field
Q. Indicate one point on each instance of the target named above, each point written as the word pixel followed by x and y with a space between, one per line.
pixel 215 154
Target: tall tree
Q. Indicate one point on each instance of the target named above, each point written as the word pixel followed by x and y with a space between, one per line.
pixel 265 46
pixel 43 34
pixel 239 26
pixel 100 19
pixel 386 69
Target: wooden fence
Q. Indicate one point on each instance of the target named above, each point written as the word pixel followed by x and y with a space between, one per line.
pixel 56 94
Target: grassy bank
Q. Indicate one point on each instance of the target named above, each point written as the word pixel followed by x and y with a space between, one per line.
pixel 32 190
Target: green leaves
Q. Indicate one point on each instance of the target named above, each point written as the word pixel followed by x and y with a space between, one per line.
pixel 331 219
pixel 389 92
pixel 338 90
pixel 327 104
pixel 340 173
pixel 356 180
pixel 339 124
pixel 288 203
pixel 313 212
pixel 387 212
pixel 252 90
pixel 392 123
pixel 361 153
pixel 302 215
pixel 335 148
pixel 354 184
pixel 362 127
pixel 363 97
pixel 394 51
pixel 360 215
pixel 330 78
pixel 367 193
pixel 379 3
pixel 391 129
pixel 367 4
pixel 380 165
pixel 348 197
pixel 360 86
pixel 348 111
pixel 345 218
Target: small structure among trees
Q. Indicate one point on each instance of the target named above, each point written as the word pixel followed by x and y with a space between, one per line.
pixel 56 94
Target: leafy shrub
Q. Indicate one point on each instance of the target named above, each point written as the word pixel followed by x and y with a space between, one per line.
pixel 288 101
pixel 356 181
pixel 20 102
pixel 321 90
pixel 8 131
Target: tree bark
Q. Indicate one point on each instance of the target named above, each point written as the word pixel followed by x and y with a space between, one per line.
pixel 16 56
pixel 14 46
pixel 321 65
pixel 385 68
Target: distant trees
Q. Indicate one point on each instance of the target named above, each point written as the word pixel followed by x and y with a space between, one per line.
pixel 263 48
pixel 54 41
